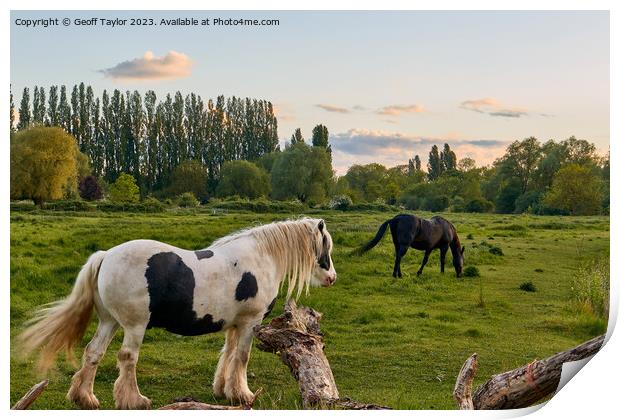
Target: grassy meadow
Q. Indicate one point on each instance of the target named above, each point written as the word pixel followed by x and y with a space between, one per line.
pixel 395 342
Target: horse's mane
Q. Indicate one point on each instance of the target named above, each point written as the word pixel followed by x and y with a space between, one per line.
pixel 293 244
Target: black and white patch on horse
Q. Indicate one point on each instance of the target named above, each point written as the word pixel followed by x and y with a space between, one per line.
pixel 171 287
pixel 145 284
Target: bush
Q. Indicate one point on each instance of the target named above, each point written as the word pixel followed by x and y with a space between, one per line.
pixel 471 271
pixel 341 202
pixel 124 190
pixel 436 203
pixel 495 250
pixel 527 286
pixel 590 287
pixel 22 206
pixel 68 205
pixel 479 205
pixel 90 189
pixel 148 206
pixel 261 205
pixel 187 199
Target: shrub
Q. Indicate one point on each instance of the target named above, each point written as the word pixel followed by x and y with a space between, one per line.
pixel 340 202
pixel 147 206
pixel 68 205
pixel 479 205
pixel 187 199
pixel 471 271
pixel 495 250
pixel 527 286
pixel 436 203
pixel 90 189
pixel 124 190
pixel 22 206
pixel 261 205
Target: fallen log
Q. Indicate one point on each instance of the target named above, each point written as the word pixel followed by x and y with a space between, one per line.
pixel 523 386
pixel 296 337
pixel 191 404
pixel 30 396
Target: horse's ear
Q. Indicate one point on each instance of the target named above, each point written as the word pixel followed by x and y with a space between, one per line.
pixel 321 225
pixel 463 249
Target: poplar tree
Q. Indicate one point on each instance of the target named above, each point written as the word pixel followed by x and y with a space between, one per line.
pixel 64 110
pixel 24 110
pixel 52 109
pixel 12 114
pixel 434 164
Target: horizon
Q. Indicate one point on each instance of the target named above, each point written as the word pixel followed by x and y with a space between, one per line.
pixel 384 83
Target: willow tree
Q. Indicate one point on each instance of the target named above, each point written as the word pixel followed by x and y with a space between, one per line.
pixel 44 162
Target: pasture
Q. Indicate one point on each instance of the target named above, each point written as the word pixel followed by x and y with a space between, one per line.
pixel 395 342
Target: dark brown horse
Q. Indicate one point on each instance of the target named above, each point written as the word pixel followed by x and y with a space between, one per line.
pixel 426 235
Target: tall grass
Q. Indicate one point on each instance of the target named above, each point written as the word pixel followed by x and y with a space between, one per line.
pixel 590 287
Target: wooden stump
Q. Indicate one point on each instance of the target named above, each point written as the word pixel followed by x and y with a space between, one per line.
pixel 464 382
pixel 296 337
pixel 519 387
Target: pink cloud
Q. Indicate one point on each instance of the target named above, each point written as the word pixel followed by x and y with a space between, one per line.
pixel 148 67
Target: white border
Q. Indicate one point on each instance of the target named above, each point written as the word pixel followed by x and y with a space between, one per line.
pixel 591 395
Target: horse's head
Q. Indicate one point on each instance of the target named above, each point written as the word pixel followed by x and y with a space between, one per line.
pixel 459 262
pixel 323 273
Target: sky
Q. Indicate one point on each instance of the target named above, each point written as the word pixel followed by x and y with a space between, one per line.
pixel 388 85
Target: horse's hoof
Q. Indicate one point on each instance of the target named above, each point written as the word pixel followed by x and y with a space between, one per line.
pixel 241 396
pixel 139 402
pixel 218 390
pixel 84 400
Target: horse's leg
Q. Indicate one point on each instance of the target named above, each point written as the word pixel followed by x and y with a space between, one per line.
pixel 227 352
pixel 126 392
pixel 81 391
pixel 236 385
pixel 427 253
pixel 442 256
pixel 402 250
pixel 396 251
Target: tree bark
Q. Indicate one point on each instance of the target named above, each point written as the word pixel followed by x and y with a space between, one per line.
pixel 296 337
pixel 191 404
pixel 27 400
pixel 528 384
pixel 463 386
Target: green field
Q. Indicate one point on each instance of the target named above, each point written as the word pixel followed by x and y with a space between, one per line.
pixel 399 343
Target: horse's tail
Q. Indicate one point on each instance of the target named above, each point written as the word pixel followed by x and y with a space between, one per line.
pixel 60 325
pixel 374 241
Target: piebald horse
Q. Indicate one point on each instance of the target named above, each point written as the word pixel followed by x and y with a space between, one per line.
pixel 230 286
pixel 426 235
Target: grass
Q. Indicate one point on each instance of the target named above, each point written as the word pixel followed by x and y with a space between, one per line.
pixel 393 342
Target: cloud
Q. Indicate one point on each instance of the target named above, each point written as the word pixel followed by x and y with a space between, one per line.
pixel 359 146
pixel 333 108
pixel 395 110
pixel 494 108
pixel 148 67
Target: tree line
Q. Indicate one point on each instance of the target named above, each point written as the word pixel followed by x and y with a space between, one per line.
pixel 555 177
pixel 229 148
pixel 148 138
